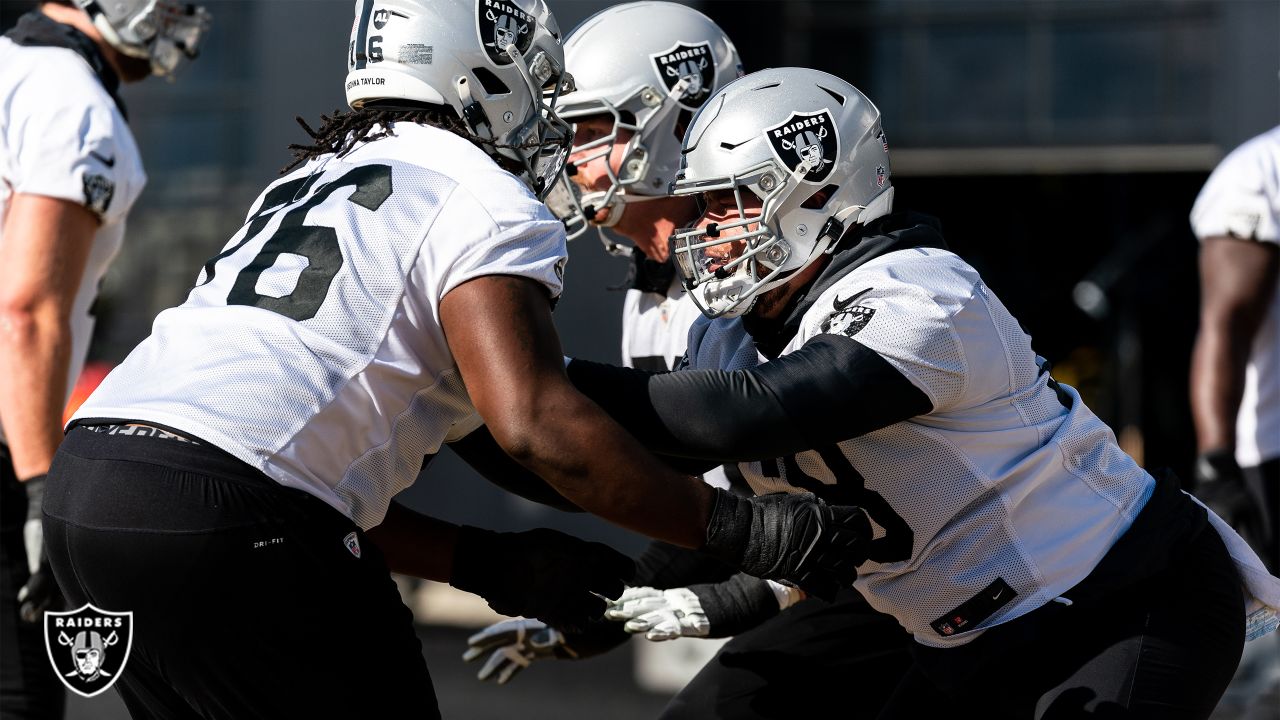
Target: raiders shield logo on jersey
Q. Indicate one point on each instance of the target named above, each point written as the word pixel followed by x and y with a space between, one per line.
pixel 847 318
pixel 806 142
pixel 502 24
pixel 88 647
pixel 98 191
pixel 692 62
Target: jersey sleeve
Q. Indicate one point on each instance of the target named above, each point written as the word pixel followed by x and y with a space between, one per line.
pixel 70 141
pixel 518 238
pixel 1242 196
pixel 909 327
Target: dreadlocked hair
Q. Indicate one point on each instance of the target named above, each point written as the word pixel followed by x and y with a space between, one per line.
pixel 341 132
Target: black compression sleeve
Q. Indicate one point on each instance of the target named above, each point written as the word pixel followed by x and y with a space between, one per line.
pixel 832 388
pixel 488 458
pixel 666 566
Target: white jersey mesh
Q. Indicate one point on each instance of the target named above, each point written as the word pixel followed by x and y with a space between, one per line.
pixel 62 136
pixel 1000 481
pixel 340 389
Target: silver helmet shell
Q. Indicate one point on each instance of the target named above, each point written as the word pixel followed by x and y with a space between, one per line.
pixel 162 31
pixel 647 65
pixel 498 63
pixel 783 135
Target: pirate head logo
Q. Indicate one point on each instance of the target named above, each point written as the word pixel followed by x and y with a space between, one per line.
pixel 848 317
pixel 502 24
pixel 807 143
pixel 693 63
pixel 88 647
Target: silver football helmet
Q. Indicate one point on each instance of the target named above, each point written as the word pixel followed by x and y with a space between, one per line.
pixel 784 135
pixel 162 31
pixel 646 64
pixel 497 63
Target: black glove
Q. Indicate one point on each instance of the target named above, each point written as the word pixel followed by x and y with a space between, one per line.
pixel 713 610
pixel 541 574
pixel 1220 485
pixel 41 591
pixel 792 538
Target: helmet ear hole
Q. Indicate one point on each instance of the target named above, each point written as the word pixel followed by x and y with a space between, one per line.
pixel 819 199
pixel 491 83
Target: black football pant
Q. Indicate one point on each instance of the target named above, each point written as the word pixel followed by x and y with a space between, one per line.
pixel 28 686
pixel 1156 631
pixel 811 659
pixel 246 600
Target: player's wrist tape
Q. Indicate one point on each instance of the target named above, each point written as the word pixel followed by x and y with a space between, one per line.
pixel 34 486
pixel 736 605
pixel 729 529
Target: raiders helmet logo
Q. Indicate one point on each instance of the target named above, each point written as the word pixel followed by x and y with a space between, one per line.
pixel 808 143
pixel 692 62
pixel 502 24
pixel 88 647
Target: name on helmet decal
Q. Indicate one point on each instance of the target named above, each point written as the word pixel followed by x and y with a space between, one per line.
pixel 366 81
pixel 798 125
pixel 700 51
pixel 508 9
pixel 84 622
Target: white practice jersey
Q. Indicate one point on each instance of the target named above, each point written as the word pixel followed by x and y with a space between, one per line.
pixel 1242 199
pixel 62 136
pixel 312 348
pixel 1002 495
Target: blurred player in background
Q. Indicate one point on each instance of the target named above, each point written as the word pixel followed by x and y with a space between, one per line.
pixel 71 171
pixel 641 70
pixel 1041 571
pixel 388 295
pixel 1235 372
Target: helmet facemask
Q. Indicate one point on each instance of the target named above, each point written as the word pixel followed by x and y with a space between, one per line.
pixel 162 31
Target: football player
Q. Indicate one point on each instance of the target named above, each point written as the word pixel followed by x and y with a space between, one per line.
pixel 1235 373
pixel 234 475
pixel 641 70
pixel 69 173
pixel 1040 570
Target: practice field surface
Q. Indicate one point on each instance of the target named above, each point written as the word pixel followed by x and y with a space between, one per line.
pixel 599 687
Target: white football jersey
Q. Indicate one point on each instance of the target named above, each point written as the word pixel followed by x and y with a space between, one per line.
pixel 1001 490
pixel 62 136
pixel 1242 199
pixel 311 347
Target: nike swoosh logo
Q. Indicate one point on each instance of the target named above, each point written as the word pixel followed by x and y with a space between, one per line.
pixel 998 594
pixel 840 305
pixel 109 162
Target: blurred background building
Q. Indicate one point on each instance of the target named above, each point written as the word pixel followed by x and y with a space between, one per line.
pixel 1061 142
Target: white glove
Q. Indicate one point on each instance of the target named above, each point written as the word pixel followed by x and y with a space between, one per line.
pixel 513 645
pixel 660 614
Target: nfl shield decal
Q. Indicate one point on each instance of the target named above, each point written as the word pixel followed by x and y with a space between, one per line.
pixel 806 143
pixel 502 24
pixel 353 544
pixel 88 647
pixel 692 62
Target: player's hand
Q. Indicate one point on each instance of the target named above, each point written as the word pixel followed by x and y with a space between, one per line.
pixel 542 574
pixel 1220 485
pixel 512 645
pixel 795 539
pixel 707 610
pixel 40 592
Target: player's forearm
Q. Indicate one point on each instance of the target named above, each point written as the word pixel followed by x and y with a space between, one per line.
pixel 416 544
pixel 563 442
pixel 35 350
pixel 1218 364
